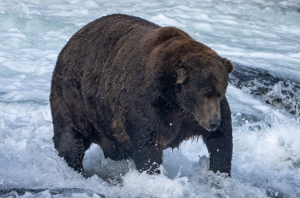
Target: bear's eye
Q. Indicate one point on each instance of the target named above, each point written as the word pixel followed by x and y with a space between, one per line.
pixel 209 94
pixel 212 93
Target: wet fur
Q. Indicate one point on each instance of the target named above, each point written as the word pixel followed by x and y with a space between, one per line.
pixel 119 83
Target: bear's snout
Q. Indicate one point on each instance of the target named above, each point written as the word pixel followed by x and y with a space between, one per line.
pixel 210 124
pixel 209 114
pixel 214 124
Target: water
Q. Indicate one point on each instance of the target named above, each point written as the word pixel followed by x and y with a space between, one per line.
pixel 257 34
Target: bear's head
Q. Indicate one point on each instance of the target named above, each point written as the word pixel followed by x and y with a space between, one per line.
pixel 201 81
pixel 199 75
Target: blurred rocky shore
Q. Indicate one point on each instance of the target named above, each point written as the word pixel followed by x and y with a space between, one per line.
pixel 281 93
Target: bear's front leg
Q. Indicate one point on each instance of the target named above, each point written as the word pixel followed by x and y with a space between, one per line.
pixel 219 142
pixel 147 157
pixel 143 133
pixel 220 152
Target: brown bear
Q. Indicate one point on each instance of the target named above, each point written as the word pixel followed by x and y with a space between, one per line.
pixel 135 89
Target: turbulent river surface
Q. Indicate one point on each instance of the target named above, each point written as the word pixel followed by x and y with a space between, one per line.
pixel 260 37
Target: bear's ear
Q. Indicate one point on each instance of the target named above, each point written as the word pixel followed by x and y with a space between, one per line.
pixel 181 75
pixel 228 65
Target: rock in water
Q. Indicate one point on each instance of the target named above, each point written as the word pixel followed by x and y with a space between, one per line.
pixel 281 93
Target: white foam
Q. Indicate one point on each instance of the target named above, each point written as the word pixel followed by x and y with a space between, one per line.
pixel 164 20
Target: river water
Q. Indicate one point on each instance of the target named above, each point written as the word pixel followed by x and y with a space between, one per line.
pixel 257 34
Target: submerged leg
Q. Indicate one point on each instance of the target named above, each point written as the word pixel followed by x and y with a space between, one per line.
pixel 147 153
pixel 147 157
pixel 71 145
pixel 110 148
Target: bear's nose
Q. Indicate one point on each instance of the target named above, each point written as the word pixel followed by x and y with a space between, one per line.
pixel 214 124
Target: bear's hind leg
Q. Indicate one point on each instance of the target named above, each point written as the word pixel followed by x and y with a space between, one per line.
pixel 71 145
pixel 109 147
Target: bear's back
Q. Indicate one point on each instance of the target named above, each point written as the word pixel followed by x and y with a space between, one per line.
pixel 96 40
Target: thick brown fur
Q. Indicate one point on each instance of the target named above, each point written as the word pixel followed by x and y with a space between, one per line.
pixel 135 89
